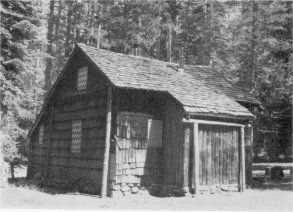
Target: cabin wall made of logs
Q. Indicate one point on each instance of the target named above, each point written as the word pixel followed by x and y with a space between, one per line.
pixel 65 168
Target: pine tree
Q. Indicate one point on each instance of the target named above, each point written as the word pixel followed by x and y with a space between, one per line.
pixel 19 93
pixel 49 47
pixel 263 52
pixel 202 26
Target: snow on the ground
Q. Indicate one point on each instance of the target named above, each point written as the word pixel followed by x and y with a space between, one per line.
pixel 267 200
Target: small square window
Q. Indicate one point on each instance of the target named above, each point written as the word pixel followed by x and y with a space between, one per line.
pixel 76 136
pixel 82 78
pixel 41 134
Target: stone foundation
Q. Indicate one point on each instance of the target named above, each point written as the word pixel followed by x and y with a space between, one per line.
pixel 160 190
pixel 119 190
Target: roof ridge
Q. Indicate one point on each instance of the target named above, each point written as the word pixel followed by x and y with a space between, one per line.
pixel 141 57
pixel 127 55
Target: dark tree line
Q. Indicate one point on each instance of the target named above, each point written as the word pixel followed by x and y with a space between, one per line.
pixel 249 42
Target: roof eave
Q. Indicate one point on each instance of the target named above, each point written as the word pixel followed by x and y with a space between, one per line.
pixel 222 115
pixel 255 103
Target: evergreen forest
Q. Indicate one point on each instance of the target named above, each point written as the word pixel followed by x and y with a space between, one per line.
pixel 249 42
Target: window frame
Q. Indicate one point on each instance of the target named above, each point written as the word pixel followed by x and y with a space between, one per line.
pixel 81 86
pixel 76 139
pixel 41 134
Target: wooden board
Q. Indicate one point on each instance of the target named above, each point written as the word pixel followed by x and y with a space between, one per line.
pixel 136 158
pixel 219 154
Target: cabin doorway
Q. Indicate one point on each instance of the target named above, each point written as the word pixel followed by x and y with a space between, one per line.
pixel 139 149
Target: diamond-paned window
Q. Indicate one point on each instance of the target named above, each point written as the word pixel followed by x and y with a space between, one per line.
pixel 82 78
pixel 76 136
pixel 41 134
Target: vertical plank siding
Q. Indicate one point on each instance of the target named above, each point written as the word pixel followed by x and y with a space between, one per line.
pixel 219 161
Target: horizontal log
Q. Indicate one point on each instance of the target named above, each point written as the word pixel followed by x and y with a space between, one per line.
pixel 89 155
pixel 65 168
pixel 97 91
pixel 38 152
pixel 96 112
pixel 80 115
pixel 96 133
pixel 40 163
pixel 94 164
pixel 75 105
pixel 65 152
pixel 93 123
pixel 62 125
pixel 70 116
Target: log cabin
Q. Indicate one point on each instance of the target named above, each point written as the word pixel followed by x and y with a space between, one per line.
pixel 112 120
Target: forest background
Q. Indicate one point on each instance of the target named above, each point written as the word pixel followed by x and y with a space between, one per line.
pixel 249 42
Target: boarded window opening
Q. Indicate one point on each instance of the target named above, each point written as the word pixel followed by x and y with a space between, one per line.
pixel 41 134
pixel 76 136
pixel 132 125
pixel 82 78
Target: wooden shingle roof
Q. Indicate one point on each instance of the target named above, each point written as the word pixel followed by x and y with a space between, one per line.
pixel 198 89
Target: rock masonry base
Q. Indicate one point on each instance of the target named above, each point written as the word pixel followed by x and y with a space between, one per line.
pixel 120 190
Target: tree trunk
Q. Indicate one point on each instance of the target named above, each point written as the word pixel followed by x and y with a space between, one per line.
pixel 77 35
pixel 212 50
pixel 68 29
pixel 36 71
pixel 49 47
pixel 91 24
pixel 252 77
pixel 99 36
pixel 169 44
pixel 159 47
pixel 88 20
pixel 57 27
pixel 12 170
pixel 139 38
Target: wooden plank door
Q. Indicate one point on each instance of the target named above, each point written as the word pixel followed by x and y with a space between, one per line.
pixel 218 155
